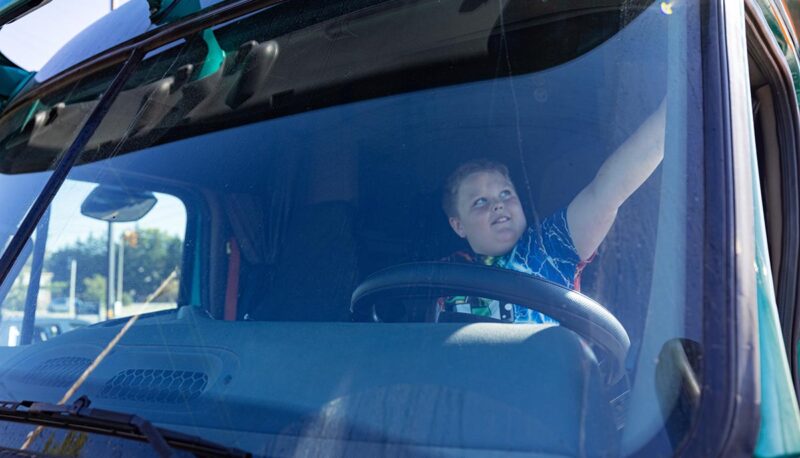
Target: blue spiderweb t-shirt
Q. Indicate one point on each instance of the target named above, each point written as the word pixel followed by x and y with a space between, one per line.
pixel 552 257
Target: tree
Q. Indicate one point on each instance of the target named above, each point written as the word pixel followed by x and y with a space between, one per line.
pixel 15 300
pixel 147 264
pixel 94 289
pixel 150 256
pixel 91 256
pixel 59 288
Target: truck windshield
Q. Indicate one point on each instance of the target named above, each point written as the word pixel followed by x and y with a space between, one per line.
pixel 426 225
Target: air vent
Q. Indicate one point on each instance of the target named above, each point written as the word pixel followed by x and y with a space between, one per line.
pixel 155 385
pixel 57 372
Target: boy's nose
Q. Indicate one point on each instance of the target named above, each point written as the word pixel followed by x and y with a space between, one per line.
pixel 498 206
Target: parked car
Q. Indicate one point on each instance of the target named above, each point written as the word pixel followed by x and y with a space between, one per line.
pixel 61 305
pixel 44 329
pixel 264 179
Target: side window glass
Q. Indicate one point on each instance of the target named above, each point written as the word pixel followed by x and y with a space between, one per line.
pixel 108 253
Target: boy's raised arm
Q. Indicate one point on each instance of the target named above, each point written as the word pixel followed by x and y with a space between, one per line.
pixel 592 212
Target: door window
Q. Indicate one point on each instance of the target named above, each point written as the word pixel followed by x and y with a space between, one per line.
pixel 80 269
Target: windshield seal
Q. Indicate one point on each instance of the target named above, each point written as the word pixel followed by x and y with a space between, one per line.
pixel 727 418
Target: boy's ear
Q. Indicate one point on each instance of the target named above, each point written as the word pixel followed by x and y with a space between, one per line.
pixel 455 223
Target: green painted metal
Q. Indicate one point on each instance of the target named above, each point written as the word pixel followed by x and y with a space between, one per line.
pixel 35 106
pixel 10 80
pixel 215 56
pixel 780 31
pixel 180 9
pixel 779 433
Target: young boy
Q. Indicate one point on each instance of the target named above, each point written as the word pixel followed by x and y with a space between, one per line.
pixel 482 207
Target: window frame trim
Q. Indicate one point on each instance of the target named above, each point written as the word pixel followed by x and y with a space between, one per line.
pixel 728 417
pixel 787 114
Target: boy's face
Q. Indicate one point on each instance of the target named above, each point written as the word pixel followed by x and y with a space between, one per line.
pixel 490 216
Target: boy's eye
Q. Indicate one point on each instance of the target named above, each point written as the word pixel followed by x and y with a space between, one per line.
pixel 505 194
pixel 479 202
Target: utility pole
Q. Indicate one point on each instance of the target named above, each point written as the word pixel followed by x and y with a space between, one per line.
pixel 73 271
pixel 106 314
pixel 120 268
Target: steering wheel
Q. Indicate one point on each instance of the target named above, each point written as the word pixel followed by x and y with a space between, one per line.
pixel 570 308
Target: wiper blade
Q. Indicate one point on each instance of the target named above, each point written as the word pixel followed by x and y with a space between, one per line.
pixel 79 416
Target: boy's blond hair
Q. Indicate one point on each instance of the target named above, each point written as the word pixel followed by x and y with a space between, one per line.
pixel 450 194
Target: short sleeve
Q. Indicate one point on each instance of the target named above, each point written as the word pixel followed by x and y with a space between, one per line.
pixel 557 238
pixel 559 248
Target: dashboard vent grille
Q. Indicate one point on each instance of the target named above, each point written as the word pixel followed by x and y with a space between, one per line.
pixel 155 385
pixel 58 372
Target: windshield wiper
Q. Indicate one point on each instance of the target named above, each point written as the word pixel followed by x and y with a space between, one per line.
pixel 79 416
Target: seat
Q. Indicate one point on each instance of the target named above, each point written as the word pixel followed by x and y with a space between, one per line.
pixel 316 268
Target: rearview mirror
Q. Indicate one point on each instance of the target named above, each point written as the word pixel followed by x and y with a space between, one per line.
pixel 117 205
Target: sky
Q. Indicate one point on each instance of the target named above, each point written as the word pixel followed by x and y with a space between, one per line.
pixel 24 41
pixel 68 225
